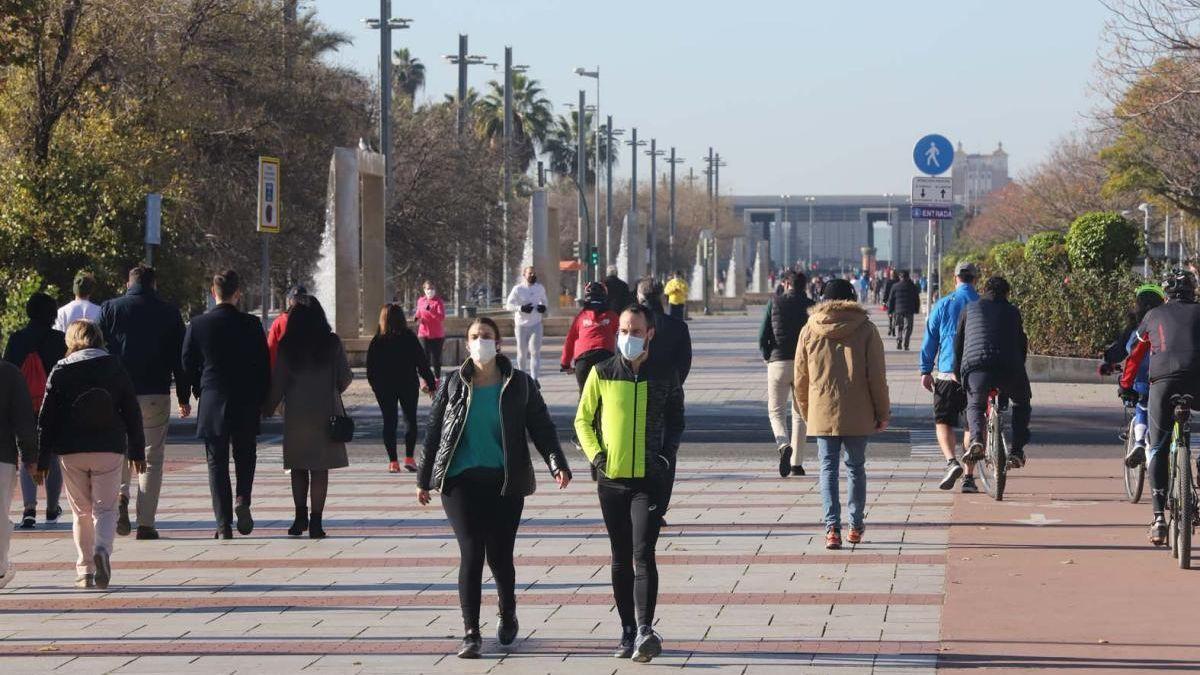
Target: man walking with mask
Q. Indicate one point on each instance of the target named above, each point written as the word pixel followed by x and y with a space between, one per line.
pixel 629 423
pixel 528 302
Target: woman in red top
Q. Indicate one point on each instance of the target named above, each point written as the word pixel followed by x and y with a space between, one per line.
pixel 593 335
pixel 431 317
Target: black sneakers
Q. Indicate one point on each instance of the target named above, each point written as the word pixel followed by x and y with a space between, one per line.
pixel 146 533
pixel 123 524
pixel 785 460
pixel 968 485
pixel 628 639
pixel 1158 530
pixel 1016 459
pixel 506 629
pixel 953 470
pixel 1136 456
pixel 245 523
pixel 103 568
pixel 471 647
pixel 28 519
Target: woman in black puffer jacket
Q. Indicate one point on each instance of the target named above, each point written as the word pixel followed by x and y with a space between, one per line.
pixel 92 421
pixel 477 454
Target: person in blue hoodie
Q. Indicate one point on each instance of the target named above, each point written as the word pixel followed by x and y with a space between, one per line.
pixel 949 399
pixel 1147 297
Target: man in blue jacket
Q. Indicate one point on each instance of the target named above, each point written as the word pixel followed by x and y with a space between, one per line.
pixel 949 399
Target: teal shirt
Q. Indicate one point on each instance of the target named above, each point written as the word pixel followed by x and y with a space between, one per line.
pixel 480 445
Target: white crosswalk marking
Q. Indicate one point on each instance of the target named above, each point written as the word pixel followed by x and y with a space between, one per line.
pixel 924 444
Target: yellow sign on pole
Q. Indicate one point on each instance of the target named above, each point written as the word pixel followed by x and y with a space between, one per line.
pixel 268 195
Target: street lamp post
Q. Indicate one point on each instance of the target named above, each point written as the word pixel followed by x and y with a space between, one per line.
pixel 610 132
pixel 633 144
pixel 462 60
pixel 595 74
pixel 671 231
pixel 786 244
pixel 586 272
pixel 810 201
pixel 1144 207
pixel 652 231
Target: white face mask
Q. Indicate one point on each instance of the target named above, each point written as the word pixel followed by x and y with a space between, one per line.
pixel 631 346
pixel 429 293
pixel 482 350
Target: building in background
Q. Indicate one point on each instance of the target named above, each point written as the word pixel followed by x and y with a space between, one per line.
pixel 978 175
pixel 842 226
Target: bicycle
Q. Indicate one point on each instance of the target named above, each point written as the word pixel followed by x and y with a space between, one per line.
pixel 1181 501
pixel 999 440
pixel 1135 477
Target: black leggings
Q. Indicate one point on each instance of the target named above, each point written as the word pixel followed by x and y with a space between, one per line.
pixel 407 401
pixel 485 525
pixel 301 480
pixel 433 352
pixel 1161 418
pixel 585 363
pixel 633 517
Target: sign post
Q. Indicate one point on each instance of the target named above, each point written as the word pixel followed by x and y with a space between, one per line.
pixel 153 225
pixel 932 196
pixel 268 221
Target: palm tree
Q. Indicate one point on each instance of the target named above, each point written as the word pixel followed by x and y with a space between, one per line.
pixel 561 145
pixel 409 73
pixel 532 118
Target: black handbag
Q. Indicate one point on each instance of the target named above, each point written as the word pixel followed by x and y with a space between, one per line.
pixel 341 427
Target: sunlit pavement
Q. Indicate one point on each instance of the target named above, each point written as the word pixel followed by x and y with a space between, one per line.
pixel 746 583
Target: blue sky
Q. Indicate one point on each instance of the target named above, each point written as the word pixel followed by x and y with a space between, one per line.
pixel 798 96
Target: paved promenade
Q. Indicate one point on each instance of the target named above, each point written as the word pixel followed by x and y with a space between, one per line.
pixel 746 584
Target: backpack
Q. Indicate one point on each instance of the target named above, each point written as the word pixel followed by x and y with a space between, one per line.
pixel 35 379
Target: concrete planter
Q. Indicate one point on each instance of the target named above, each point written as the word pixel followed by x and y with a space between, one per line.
pixel 1064 369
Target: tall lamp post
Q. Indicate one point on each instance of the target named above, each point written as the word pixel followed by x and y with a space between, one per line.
pixel 892 254
pixel 633 144
pixel 509 71
pixel 595 74
pixel 672 160
pixel 1144 207
pixel 609 133
pixel 462 59
pixel 652 231
pixel 786 244
pixel 810 201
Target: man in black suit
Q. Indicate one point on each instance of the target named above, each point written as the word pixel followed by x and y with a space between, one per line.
pixel 225 356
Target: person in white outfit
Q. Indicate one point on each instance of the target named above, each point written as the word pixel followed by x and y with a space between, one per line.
pixel 82 306
pixel 529 304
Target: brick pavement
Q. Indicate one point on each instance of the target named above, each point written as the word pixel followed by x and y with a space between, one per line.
pixel 747 586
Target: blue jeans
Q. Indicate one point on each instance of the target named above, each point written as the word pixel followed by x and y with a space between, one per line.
pixel 828 450
pixel 53 485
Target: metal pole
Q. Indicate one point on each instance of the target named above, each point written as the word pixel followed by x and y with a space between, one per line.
pixel 810 234
pixel 709 174
pixel 608 211
pixel 1167 237
pixel 266 275
pixel 633 181
pixel 651 231
pixel 462 85
pixel 929 262
pixel 912 245
pixel 586 272
pixel 596 198
pixel 385 93
pixel 1146 239
pixel 671 222
pixel 508 130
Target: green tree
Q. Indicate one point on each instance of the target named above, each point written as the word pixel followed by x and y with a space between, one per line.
pixel 533 118
pixel 409 73
pixel 562 142
pixel 1047 250
pixel 1102 240
pixel 1006 258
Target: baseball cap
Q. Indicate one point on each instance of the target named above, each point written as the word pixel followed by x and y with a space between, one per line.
pixel 966 267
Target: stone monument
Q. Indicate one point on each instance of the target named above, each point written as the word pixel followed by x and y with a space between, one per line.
pixel 349 280
pixel 761 278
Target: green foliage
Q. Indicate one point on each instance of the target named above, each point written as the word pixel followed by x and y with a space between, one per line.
pixel 1102 240
pixel 1047 250
pixel 1006 258
pixel 16 285
pixel 1073 314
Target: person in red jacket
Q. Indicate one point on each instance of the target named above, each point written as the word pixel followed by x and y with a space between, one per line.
pixel 279 325
pixel 431 317
pixel 593 334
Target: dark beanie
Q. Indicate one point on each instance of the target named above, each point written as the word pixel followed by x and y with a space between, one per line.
pixel 839 289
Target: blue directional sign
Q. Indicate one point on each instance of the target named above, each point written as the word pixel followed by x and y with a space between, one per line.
pixel 933 154
pixel 932 213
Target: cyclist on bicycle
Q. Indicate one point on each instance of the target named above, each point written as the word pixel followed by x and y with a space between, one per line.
pixel 989 353
pixel 1146 298
pixel 1171 335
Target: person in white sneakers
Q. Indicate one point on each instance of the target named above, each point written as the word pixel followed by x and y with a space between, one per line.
pixel 82 306
pixel 529 303
pixel 18 444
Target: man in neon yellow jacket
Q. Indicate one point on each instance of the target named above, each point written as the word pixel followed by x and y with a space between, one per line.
pixel 629 425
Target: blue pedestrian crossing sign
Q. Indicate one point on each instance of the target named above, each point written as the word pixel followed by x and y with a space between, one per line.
pixel 933 154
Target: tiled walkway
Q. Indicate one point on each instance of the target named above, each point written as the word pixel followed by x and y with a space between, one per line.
pixel 746 584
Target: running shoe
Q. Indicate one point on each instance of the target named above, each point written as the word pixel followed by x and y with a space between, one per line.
pixel 974 452
pixel 410 465
pixel 628 639
pixel 245 523
pixel 85 581
pixel 506 629
pixel 1158 531
pixel 394 466
pixel 856 534
pixel 785 460
pixel 53 513
pixel 647 646
pixel 833 540
pixel 968 485
pixel 954 470
pixel 28 519
pixel 1016 459
pixel 1136 456
pixel 472 645
pixel 797 470
pixel 123 524
pixel 103 568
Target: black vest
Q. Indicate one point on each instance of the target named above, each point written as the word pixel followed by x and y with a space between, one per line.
pixel 789 313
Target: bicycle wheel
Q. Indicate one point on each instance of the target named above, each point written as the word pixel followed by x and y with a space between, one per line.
pixel 994 458
pixel 1135 478
pixel 1187 504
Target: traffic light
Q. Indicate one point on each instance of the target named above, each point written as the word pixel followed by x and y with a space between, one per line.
pixel 594 256
pixel 575 250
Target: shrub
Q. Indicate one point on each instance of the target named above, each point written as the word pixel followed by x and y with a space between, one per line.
pixel 1102 240
pixel 1072 314
pixel 1047 250
pixel 1006 258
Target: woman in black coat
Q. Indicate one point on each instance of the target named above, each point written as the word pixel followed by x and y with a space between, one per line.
pixel 394 361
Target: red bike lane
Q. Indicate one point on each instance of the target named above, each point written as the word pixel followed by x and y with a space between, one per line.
pixel 1060 576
